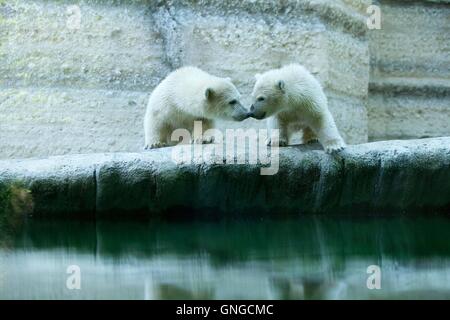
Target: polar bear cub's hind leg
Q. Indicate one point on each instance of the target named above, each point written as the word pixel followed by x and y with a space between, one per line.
pixel 274 123
pixel 309 136
pixel 155 135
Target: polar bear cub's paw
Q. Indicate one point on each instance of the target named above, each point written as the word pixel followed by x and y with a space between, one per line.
pixel 281 142
pixel 334 146
pixel 312 141
pixel 155 145
pixel 203 140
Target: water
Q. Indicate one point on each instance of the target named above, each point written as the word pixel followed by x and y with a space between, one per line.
pixel 304 258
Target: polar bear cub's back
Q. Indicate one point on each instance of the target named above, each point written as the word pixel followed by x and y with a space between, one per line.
pixel 178 88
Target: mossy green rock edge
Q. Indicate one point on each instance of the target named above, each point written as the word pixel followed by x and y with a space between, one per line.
pixel 385 177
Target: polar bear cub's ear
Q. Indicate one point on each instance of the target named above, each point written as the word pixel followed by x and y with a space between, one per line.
pixel 257 76
pixel 209 93
pixel 281 85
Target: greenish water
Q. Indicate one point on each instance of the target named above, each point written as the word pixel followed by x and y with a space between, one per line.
pixel 304 258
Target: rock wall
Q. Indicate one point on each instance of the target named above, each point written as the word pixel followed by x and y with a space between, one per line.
pixel 76 90
pixel 409 90
pixel 67 89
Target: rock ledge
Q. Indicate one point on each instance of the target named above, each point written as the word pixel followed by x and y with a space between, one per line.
pixel 399 177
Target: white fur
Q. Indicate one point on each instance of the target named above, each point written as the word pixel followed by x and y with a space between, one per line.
pixel 294 100
pixel 180 99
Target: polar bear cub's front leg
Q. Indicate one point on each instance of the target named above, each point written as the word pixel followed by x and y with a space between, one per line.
pixel 328 134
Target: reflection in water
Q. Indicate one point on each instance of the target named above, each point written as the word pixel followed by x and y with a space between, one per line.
pixel 305 258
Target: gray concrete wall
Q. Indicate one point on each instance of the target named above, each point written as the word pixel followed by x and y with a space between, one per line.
pixel 409 91
pixel 75 91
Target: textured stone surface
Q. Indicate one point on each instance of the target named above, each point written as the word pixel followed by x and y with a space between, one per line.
pixel 48 121
pixel 380 177
pixel 410 71
pixel 409 108
pixel 65 90
pixel 58 186
pixel 114 47
pixel 413 40
pixel 68 90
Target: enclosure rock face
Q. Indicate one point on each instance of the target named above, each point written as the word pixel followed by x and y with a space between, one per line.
pixel 399 177
pixel 70 86
pixel 409 91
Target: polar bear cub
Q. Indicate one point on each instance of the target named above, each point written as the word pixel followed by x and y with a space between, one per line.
pixel 292 99
pixel 184 96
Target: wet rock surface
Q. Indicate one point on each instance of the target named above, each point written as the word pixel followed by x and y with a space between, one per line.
pixel 399 177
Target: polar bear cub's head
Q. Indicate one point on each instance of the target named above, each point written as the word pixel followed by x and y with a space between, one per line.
pixel 268 94
pixel 223 100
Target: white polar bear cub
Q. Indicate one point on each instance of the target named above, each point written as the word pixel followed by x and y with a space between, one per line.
pixel 184 96
pixel 292 99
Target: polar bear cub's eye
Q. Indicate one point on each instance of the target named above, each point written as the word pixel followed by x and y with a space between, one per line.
pixel 233 102
pixel 260 99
